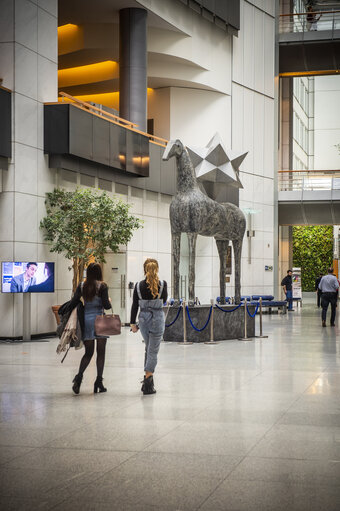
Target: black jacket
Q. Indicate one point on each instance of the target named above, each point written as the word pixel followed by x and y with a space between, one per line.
pixel 287 281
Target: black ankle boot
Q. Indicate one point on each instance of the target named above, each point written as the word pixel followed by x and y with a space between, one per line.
pixel 98 386
pixel 76 383
pixel 148 386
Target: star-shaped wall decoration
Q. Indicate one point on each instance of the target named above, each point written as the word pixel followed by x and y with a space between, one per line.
pixel 214 163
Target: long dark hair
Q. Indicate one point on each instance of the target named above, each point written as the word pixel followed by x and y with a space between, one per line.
pixel 93 275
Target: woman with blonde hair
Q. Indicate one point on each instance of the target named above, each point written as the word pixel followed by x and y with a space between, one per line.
pixel 149 295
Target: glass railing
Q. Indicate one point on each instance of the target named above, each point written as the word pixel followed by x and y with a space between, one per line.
pixel 308 180
pixel 309 21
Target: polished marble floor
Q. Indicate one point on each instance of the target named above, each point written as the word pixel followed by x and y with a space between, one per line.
pixel 239 426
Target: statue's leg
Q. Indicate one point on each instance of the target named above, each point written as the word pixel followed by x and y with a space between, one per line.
pixel 222 247
pixel 192 237
pixel 176 251
pixel 237 244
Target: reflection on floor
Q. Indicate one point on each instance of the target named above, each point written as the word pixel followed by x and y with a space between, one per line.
pixel 235 426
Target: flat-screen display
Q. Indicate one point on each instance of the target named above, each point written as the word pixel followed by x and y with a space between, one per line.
pixel 27 277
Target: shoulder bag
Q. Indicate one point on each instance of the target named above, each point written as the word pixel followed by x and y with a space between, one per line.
pixel 107 324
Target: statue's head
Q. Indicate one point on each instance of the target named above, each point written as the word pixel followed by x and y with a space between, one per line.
pixel 173 148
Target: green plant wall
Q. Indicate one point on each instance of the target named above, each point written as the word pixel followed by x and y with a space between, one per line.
pixel 312 252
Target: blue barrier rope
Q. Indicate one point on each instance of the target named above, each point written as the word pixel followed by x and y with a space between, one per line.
pixel 229 310
pixel 176 318
pixel 193 326
pixel 257 308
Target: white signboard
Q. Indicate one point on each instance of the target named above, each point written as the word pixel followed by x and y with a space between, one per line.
pixel 296 281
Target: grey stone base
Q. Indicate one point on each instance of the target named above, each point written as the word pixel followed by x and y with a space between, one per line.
pixel 227 325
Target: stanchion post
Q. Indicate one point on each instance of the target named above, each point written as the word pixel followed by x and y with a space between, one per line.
pixel 212 326
pixel 245 338
pixel 185 342
pixel 261 336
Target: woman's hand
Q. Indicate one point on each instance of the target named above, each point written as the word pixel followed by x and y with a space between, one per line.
pixel 134 328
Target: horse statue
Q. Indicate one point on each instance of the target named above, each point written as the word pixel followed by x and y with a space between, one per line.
pixel 193 212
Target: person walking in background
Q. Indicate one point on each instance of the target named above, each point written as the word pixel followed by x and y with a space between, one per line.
pixel 95 294
pixel 318 291
pixel 288 289
pixel 329 287
pixel 149 295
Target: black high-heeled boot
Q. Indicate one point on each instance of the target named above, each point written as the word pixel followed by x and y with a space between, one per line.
pixel 148 386
pixel 76 383
pixel 98 386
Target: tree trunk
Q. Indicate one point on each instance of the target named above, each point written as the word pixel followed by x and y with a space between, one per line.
pixel 78 272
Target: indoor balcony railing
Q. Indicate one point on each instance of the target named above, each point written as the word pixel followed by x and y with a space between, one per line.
pixel 308 180
pixel 104 114
pixel 307 22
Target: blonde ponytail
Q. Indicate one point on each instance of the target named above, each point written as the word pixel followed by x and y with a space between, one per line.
pixel 151 273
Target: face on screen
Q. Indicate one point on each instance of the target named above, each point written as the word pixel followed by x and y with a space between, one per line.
pixel 31 270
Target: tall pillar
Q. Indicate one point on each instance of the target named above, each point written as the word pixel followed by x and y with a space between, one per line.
pixel 29 68
pixel 133 66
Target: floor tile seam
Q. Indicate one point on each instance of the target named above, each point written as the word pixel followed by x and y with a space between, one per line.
pixel 19 455
pixel 319 484
pixel 264 435
pixel 293 459
pixel 289 483
pixel 303 393
pixel 174 454
pixel 162 436
pixel 74 475
pixel 61 487
pixel 216 488
pixel 74 448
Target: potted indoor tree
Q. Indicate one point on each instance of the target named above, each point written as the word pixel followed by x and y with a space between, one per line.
pixel 84 224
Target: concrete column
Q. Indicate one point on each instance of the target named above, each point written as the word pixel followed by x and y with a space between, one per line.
pixel 29 68
pixel 133 66
pixel 286 127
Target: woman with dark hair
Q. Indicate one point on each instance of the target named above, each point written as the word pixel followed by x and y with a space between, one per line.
pixel 149 295
pixel 95 294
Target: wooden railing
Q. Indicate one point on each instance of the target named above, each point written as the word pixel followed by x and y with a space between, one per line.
pixel 115 119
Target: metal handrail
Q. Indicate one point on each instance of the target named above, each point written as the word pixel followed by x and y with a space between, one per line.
pixel 115 119
pixel 310 170
pixel 299 22
pixel 299 180
pixel 305 13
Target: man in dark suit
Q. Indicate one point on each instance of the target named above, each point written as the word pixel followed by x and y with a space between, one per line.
pixel 22 282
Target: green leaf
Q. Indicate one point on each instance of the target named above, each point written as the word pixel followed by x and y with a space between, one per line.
pixel 312 252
